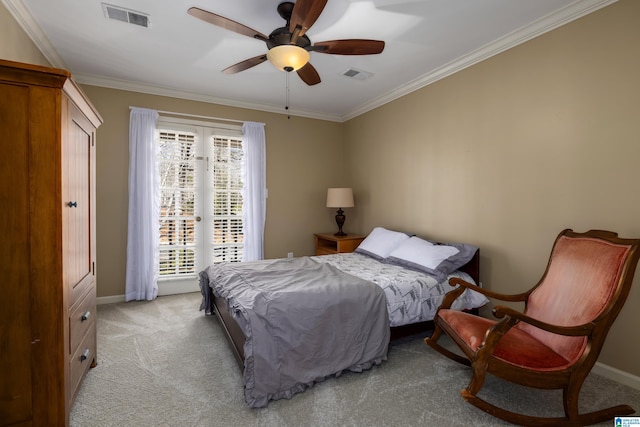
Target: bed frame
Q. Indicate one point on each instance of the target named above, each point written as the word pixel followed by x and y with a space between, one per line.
pixel 236 337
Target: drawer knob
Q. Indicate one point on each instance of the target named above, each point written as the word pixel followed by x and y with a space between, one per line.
pixel 72 204
pixel 85 354
pixel 85 316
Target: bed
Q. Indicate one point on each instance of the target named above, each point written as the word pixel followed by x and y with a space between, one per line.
pixel 294 322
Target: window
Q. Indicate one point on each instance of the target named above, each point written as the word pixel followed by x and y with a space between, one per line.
pixel 200 197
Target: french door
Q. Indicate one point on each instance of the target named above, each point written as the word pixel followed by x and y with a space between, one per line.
pixel 200 197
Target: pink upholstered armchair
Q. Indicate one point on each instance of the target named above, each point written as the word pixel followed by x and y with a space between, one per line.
pixel 556 341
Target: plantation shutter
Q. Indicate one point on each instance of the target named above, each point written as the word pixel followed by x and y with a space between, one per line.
pixel 178 181
pixel 228 240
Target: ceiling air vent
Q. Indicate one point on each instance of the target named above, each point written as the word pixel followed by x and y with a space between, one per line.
pixel 125 15
pixel 356 74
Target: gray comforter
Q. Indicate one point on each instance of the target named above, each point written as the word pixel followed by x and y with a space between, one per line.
pixel 303 321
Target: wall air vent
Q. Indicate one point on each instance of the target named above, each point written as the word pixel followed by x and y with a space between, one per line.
pixel 356 74
pixel 125 15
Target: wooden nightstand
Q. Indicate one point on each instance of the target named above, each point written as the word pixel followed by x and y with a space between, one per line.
pixel 328 243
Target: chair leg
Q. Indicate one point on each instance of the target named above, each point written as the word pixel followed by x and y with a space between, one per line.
pixel 477 377
pixel 432 342
pixel 570 395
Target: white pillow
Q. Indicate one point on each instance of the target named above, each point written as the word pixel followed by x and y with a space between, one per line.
pixel 423 255
pixel 380 242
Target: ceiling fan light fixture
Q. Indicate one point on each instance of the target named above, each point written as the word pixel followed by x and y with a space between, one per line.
pixel 288 57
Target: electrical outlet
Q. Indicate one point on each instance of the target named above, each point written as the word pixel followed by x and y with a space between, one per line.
pixel 290 255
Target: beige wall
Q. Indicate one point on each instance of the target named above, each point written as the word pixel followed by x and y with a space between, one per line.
pixel 302 162
pixel 15 45
pixel 509 152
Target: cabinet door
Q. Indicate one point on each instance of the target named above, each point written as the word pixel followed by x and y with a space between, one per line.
pixel 78 161
pixel 15 326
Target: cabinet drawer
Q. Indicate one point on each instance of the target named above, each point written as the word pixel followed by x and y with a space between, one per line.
pixel 78 290
pixel 81 360
pixel 81 319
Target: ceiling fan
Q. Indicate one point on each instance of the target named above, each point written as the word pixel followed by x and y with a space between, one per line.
pixel 289 47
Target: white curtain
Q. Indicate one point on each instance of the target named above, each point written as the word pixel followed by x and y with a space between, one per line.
pixel 254 193
pixel 144 200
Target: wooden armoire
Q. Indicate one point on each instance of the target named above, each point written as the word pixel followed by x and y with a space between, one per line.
pixel 48 248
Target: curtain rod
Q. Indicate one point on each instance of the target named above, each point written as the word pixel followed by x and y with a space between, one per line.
pixel 195 116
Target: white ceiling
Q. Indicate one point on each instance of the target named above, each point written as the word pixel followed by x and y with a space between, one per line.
pixel 182 56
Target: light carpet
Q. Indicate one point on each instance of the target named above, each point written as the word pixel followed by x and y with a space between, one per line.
pixel 164 363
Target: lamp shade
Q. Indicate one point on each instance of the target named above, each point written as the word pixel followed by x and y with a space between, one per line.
pixel 340 198
pixel 288 55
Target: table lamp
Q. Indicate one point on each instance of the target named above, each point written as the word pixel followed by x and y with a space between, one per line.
pixel 340 198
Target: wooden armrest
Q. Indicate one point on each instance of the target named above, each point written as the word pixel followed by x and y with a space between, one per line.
pixel 579 330
pixel 504 297
pixel 510 317
pixel 493 336
pixel 450 297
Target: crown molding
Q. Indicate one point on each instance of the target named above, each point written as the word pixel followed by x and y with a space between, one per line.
pixel 192 96
pixel 569 13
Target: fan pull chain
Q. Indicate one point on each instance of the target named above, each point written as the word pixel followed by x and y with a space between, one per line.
pixel 286 90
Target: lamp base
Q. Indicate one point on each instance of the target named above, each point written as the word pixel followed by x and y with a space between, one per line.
pixel 340 221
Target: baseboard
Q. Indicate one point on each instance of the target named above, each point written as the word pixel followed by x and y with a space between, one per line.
pixel 617 375
pixel 177 287
pixel 110 299
pixel 180 288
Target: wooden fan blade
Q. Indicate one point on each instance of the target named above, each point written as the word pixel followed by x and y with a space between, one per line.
pixel 309 75
pixel 226 23
pixel 349 47
pixel 243 65
pixel 305 13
